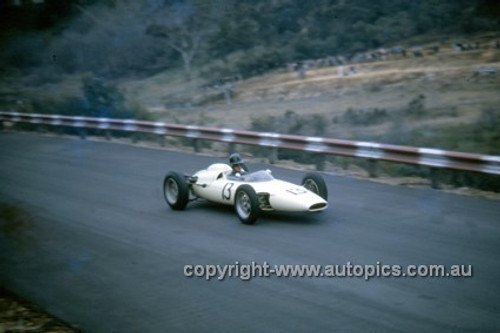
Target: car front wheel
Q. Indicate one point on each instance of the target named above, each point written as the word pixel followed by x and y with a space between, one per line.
pixel 246 204
pixel 316 184
pixel 176 190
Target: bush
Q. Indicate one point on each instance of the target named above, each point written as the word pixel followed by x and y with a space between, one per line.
pixel 251 63
pixel 43 75
pixel 470 179
pixel 102 98
pixel 416 107
pixel 23 52
pixel 365 118
pixel 489 120
pixel 259 62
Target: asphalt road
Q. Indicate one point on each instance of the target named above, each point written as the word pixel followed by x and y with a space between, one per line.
pixel 91 240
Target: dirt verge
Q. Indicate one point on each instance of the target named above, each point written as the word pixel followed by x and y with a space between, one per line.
pixel 18 315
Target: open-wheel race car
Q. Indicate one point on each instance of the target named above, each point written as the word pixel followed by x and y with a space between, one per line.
pixel 249 193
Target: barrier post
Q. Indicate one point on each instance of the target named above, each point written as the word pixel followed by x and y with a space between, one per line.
pixel 231 148
pixel 320 162
pixel 135 138
pixel 196 145
pixel 82 132
pixel 59 130
pixel 435 178
pixel 372 168
pixel 161 140
pixel 273 155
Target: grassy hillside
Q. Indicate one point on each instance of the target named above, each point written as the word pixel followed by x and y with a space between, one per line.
pixel 430 93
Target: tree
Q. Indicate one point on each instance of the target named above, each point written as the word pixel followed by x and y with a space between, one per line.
pixel 102 98
pixel 108 39
pixel 184 26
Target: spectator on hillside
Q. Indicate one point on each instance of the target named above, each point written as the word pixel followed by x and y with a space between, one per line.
pixel 340 70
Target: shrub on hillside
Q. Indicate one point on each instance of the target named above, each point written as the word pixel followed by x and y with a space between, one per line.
pixel 416 107
pixel 365 117
pixel 100 99
pixel 243 65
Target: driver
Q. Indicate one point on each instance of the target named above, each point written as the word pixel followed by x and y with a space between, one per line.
pixel 237 164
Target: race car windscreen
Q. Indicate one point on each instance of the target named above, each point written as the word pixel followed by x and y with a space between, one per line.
pixel 258 176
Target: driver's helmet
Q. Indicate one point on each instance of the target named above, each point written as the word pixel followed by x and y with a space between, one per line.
pixel 235 159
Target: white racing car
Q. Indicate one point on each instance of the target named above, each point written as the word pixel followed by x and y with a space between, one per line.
pixel 250 193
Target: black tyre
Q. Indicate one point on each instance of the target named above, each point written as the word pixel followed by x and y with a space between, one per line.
pixel 315 183
pixel 176 190
pixel 246 204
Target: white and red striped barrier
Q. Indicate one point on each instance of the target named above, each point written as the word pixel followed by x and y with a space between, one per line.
pixel 434 158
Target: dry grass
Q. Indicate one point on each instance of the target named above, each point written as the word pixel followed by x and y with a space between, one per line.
pixel 17 315
pixel 448 80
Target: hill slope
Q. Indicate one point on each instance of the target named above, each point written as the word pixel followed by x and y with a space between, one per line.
pixel 434 91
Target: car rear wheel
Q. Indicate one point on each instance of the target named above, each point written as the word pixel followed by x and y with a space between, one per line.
pixel 316 184
pixel 246 204
pixel 176 190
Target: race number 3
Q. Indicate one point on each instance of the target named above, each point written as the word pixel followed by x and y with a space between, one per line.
pixel 226 191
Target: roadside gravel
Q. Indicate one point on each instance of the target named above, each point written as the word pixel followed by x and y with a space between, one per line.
pixel 18 315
